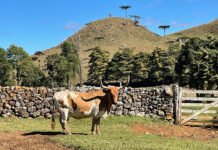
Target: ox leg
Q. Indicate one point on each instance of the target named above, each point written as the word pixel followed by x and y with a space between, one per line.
pixel 93 125
pixel 63 120
pixel 98 125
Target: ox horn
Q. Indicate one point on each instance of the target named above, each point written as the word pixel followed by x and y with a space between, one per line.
pixel 101 84
pixel 120 83
pixel 128 79
pixel 127 82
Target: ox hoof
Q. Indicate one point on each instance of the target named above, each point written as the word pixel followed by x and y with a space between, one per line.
pixel 93 133
pixel 67 133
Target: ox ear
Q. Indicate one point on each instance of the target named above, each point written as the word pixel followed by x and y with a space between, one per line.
pixel 105 90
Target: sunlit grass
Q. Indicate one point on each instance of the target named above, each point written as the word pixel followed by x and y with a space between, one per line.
pixel 116 134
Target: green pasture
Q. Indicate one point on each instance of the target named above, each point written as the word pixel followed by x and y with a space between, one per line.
pixel 116 134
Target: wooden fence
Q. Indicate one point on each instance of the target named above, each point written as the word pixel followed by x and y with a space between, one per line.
pixel 195 107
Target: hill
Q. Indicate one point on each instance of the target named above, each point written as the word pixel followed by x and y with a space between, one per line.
pixel 202 31
pixel 110 34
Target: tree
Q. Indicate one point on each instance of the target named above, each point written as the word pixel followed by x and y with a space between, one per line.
pixel 169 63
pixel 156 66
pixel 28 74
pixel 80 70
pixel 67 48
pixel 120 65
pixel 125 7
pixel 161 66
pixel 212 45
pixel 164 27
pixel 140 68
pixel 69 51
pixel 197 64
pixel 97 65
pixel 39 53
pixel 24 73
pixel 136 18
pixel 6 70
pixel 57 70
pixel 169 60
pixel 15 55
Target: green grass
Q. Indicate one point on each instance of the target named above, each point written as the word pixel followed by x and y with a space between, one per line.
pixel 116 134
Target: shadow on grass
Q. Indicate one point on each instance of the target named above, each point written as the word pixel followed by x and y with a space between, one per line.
pixel 50 133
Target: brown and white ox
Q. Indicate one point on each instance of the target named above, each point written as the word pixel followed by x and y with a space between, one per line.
pixel 82 105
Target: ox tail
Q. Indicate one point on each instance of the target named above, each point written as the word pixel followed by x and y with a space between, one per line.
pixel 53 118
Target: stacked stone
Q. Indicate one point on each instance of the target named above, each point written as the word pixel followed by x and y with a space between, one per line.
pixel 28 102
pixel 25 102
pixel 148 102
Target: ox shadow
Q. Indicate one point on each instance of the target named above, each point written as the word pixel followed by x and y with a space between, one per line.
pixel 49 133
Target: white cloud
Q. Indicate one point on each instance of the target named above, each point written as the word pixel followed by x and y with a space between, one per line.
pixel 178 24
pixel 72 25
pixel 149 22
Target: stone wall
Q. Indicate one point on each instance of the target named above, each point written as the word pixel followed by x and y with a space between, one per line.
pixel 36 102
pixel 148 102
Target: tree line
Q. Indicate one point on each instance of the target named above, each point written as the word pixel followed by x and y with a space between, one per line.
pixel 16 68
pixel 193 64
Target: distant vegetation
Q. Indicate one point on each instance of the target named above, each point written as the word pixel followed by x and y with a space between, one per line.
pixel 62 69
pixel 16 68
pixel 38 53
pixel 193 64
pixel 113 49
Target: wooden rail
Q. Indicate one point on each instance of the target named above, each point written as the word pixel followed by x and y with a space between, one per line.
pixel 199 112
pixel 195 104
pixel 194 111
pixel 203 104
pixel 199 99
pixel 201 91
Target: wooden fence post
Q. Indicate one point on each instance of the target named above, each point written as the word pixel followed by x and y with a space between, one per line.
pixel 177 94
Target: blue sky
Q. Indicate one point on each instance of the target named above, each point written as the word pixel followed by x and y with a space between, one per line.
pixel 40 24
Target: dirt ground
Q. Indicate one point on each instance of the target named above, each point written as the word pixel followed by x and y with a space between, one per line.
pixel 185 132
pixel 21 141
pixel 39 141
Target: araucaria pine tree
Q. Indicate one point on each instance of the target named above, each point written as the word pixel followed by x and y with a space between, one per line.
pixel 69 51
pixel 121 65
pixel 97 65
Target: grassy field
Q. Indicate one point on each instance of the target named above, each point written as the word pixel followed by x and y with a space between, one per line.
pixel 116 134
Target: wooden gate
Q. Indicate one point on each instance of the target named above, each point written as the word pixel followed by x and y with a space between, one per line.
pixel 195 107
